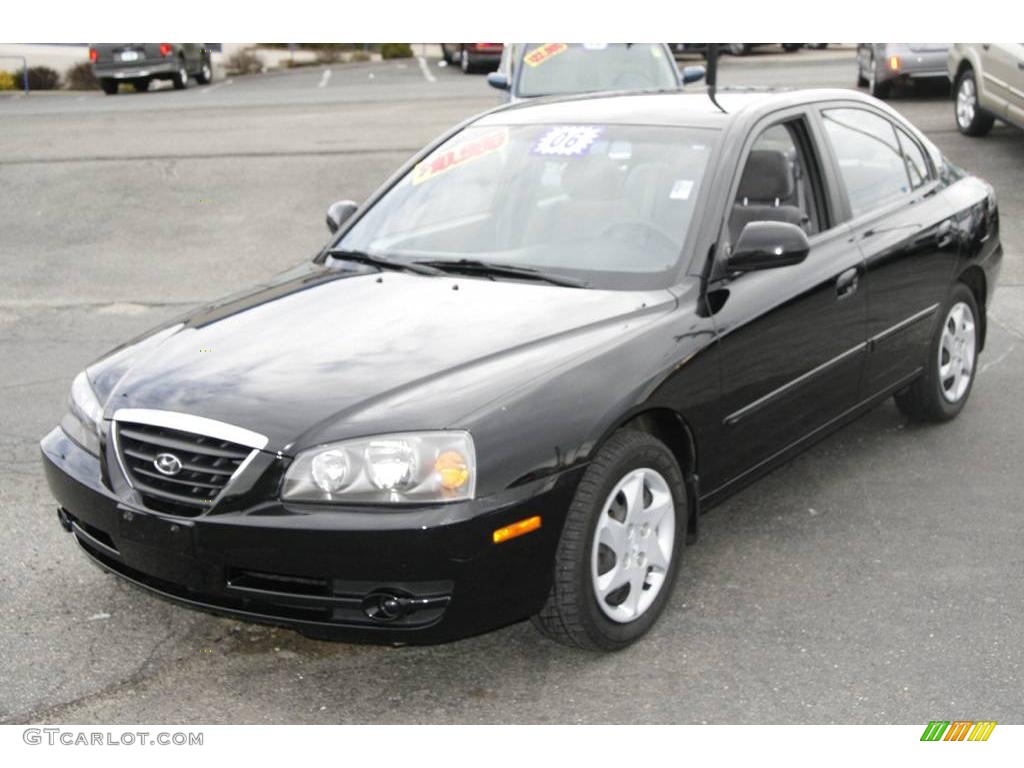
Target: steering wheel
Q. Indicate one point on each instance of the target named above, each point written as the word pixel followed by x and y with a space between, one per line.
pixel 621 230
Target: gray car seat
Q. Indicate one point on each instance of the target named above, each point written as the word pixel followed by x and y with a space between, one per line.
pixel 766 189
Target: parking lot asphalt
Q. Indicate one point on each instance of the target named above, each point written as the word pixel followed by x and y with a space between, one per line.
pixel 875 579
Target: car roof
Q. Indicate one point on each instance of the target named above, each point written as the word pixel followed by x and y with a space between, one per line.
pixel 670 108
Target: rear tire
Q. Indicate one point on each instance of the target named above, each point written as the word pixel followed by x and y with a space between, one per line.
pixel 141 85
pixel 878 89
pixel 791 47
pixel 109 85
pixel 181 76
pixel 971 119
pixel 941 392
pixel 465 63
pixel 620 548
pixel 737 49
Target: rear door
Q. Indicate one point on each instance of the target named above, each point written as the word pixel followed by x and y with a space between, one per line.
pixel 791 339
pixel 902 224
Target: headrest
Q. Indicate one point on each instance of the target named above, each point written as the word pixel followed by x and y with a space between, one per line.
pixel 768 176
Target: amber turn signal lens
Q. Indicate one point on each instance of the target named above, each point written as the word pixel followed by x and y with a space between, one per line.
pixel 452 468
pixel 517 529
pixel 894 63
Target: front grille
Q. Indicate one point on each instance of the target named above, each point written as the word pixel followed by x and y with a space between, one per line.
pixel 207 464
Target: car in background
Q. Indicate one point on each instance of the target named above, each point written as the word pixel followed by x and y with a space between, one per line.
pixel 472 57
pixel 742 49
pixel 142 63
pixel 988 83
pixel 881 65
pixel 528 70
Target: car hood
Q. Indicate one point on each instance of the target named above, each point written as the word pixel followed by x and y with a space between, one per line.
pixel 323 342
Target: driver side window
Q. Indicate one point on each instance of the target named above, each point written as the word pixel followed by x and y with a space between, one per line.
pixel 777 183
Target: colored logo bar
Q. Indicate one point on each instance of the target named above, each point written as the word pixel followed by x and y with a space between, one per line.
pixel 958 730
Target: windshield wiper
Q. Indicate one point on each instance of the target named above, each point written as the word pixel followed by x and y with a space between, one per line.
pixel 492 269
pixel 383 262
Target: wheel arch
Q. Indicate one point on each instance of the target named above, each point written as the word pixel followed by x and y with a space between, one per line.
pixel 670 427
pixel 974 278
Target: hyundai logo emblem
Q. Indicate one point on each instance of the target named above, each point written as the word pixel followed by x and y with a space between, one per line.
pixel 167 464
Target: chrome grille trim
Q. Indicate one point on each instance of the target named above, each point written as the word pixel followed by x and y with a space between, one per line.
pixel 171 494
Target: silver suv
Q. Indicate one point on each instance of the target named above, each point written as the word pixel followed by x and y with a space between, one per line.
pixel 988 82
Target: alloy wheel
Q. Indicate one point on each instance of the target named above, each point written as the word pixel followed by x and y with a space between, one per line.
pixel 956 352
pixel 633 545
pixel 965 101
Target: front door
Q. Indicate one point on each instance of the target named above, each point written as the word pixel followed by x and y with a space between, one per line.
pixel 791 339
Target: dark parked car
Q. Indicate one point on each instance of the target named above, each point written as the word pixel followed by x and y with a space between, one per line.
pixel 142 63
pixel 518 373
pixel 472 57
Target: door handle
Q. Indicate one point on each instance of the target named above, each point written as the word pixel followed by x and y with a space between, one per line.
pixel 1020 65
pixel 847 283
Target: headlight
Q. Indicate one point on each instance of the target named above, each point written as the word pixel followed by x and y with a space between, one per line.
pixel 84 418
pixel 415 467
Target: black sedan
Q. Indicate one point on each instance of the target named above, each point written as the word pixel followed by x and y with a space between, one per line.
pixel 518 373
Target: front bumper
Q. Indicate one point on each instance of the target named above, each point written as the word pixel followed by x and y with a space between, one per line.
pixel 324 572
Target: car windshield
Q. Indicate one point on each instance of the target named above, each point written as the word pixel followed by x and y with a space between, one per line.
pixel 606 205
pixel 561 68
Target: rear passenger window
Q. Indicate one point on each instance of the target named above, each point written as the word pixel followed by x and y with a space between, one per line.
pixel 869 155
pixel 917 165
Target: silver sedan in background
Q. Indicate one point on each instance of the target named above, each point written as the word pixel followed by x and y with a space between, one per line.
pixel 881 65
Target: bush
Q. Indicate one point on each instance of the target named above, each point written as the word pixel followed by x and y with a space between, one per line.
pixel 7 82
pixel 328 55
pixel 81 78
pixel 360 56
pixel 244 63
pixel 395 51
pixel 40 78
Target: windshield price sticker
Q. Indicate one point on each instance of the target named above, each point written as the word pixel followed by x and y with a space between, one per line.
pixel 460 154
pixel 567 140
pixel 542 53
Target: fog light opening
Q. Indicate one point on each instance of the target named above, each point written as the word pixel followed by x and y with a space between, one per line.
pixel 385 606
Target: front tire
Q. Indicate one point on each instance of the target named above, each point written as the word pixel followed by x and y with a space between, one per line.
pixel 620 548
pixel 737 49
pixel 942 391
pixel 205 76
pixel 465 63
pixel 971 119
pixel 141 85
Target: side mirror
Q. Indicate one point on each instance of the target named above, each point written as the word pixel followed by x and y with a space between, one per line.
pixel 768 244
pixel 339 213
pixel 498 80
pixel 693 74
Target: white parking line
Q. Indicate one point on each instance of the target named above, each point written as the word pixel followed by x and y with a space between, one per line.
pixel 324 78
pixel 425 69
pixel 217 85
